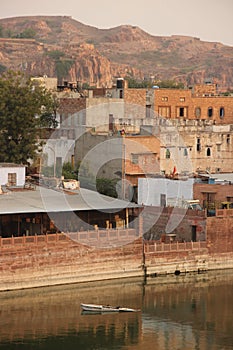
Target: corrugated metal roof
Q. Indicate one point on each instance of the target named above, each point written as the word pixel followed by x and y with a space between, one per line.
pixel 48 200
pixel 221 177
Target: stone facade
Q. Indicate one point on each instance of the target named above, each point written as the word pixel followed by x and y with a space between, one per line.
pixel 213 193
pixel 194 147
pixel 184 104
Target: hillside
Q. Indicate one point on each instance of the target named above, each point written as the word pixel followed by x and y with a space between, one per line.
pixel 61 46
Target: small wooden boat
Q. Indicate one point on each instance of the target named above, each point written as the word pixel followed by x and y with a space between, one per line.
pixel 105 308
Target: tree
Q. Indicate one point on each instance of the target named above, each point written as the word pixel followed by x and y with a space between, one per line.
pixel 24 109
pixel 107 186
pixel 68 172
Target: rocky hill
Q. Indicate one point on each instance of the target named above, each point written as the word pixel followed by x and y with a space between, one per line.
pixel 63 47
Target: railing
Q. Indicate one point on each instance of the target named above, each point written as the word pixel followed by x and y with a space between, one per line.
pixel 109 234
pixel 82 237
pixel 26 240
pixel 157 247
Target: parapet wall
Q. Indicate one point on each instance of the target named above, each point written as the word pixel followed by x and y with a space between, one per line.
pixel 27 262
pixel 46 260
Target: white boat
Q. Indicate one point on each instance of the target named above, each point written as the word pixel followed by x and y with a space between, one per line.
pixel 105 308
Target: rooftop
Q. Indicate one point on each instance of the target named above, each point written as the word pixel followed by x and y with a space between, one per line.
pixel 11 165
pixel 228 177
pixel 44 200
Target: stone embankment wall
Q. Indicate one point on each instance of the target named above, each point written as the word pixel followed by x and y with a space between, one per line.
pixel 35 261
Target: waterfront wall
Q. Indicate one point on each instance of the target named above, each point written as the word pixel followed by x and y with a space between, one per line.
pixel 35 261
pixel 216 252
pixel 47 260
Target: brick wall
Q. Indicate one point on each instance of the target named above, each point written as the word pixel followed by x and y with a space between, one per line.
pixel 135 96
pixel 71 105
pixel 220 234
pixel 177 221
pixel 59 260
pixel 219 192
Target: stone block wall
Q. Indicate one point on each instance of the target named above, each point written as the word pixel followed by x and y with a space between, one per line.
pixel 59 260
pixel 220 234
pixel 220 193
pixel 172 100
pixel 176 221
pixel 71 105
pixel 135 96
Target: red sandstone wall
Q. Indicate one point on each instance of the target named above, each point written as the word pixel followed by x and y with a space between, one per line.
pixel 184 98
pixel 135 96
pixel 60 260
pixel 55 259
pixel 219 192
pixel 220 235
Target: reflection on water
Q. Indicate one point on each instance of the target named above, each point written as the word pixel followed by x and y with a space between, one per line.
pixel 177 312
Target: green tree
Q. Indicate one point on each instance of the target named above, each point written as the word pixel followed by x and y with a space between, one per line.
pixel 22 110
pixel 107 186
pixel 68 172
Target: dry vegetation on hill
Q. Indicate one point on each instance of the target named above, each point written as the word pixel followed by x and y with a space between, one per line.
pixel 61 46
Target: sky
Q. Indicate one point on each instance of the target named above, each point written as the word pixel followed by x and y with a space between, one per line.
pixel 209 20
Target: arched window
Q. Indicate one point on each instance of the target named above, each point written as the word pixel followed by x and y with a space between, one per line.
pixel 168 154
pixel 208 152
pixel 210 111
pixel 197 112
pixel 221 112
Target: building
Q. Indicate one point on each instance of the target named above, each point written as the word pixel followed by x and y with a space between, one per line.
pixel 164 192
pixel 196 146
pixel 45 210
pixel 12 174
pixel 215 191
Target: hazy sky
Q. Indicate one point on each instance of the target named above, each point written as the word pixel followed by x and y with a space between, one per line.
pixel 210 20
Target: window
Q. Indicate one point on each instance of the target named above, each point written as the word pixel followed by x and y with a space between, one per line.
pixel 221 112
pixel 181 114
pixel 12 179
pixel 182 99
pixel 197 112
pixel 148 111
pixel 218 147
pixel 228 139
pixel 164 98
pixel 185 152
pixel 163 200
pixel 208 152
pixel 135 158
pixel 198 144
pixel 165 112
pixel 110 122
pixel 168 154
pixel 210 112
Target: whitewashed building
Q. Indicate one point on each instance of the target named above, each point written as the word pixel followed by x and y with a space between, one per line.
pixel 164 192
pixel 12 174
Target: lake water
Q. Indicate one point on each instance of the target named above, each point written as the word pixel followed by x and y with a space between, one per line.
pixel 177 312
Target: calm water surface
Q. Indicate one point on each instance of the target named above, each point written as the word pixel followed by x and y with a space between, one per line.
pixel 177 312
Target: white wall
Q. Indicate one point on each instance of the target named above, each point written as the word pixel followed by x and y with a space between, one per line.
pixel 20 175
pixel 150 190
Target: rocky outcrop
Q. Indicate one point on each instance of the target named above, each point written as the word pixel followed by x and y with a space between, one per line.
pixel 61 46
